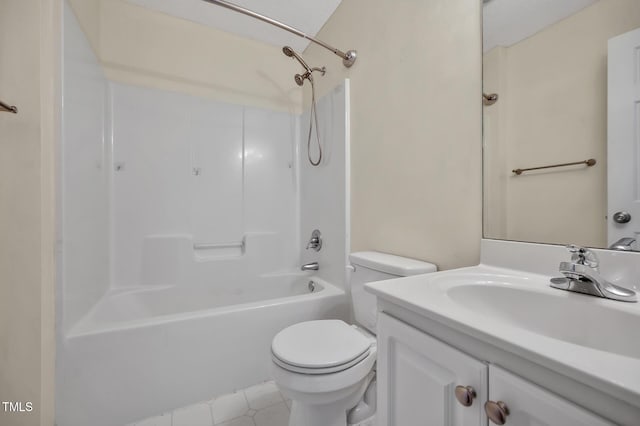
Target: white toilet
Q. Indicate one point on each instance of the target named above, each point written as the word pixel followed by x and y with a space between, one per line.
pixel 326 366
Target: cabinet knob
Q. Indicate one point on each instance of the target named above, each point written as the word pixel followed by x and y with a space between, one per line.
pixel 465 395
pixel 496 411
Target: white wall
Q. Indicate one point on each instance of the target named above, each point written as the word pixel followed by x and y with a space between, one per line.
pixel 85 172
pixel 133 205
pixel 188 171
pixel 324 190
pixel 415 124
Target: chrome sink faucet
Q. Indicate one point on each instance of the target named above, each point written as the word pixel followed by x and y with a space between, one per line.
pixel 581 275
pixel 623 244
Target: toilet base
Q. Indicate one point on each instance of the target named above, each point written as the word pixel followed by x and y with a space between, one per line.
pixel 325 399
pixel 323 416
pixel 371 421
pixel 316 416
pixel 332 414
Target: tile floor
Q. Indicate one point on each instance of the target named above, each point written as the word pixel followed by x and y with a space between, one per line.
pixel 260 405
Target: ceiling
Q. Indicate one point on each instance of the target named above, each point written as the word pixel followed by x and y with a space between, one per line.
pixel 507 22
pixel 307 16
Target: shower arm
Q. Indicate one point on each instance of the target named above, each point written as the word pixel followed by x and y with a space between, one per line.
pixel 348 58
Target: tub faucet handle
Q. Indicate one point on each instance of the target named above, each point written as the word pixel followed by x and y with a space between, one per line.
pixel 315 242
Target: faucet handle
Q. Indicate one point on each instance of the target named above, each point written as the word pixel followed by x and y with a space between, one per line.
pixel 315 242
pixel 583 256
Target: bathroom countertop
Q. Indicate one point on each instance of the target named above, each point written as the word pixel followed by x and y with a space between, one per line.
pixel 564 339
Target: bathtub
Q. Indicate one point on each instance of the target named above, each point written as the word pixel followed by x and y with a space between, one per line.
pixel 155 349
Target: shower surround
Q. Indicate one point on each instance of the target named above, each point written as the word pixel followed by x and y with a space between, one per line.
pixel 183 222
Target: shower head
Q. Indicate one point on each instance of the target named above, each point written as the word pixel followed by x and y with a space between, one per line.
pixel 287 51
pixel 292 54
pixel 307 75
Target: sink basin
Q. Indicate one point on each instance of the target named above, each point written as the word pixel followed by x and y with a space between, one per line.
pixel 592 340
pixel 564 316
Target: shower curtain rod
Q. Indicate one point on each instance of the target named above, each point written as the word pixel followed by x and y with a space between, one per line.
pixel 348 58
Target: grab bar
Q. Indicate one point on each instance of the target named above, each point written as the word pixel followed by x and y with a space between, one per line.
pixel 208 246
pixel 590 162
pixel 8 108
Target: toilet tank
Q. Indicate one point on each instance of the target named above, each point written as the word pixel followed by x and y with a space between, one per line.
pixel 374 266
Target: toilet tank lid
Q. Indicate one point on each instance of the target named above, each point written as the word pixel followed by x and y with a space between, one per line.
pixel 391 264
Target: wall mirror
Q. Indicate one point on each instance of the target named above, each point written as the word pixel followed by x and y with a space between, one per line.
pixel 566 80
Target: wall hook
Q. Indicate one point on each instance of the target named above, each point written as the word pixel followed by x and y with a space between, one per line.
pixel 8 108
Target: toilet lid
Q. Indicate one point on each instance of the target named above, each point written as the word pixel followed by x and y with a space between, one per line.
pixel 319 344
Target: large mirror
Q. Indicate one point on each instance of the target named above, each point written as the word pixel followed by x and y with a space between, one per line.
pixel 562 85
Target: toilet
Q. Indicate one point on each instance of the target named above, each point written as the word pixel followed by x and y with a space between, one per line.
pixel 326 367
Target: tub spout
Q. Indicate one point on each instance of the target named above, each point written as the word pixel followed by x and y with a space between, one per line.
pixel 313 266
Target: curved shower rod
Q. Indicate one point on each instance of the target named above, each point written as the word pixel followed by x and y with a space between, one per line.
pixel 348 58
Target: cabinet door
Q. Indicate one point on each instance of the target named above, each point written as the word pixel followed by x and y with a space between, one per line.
pixel 417 377
pixel 530 405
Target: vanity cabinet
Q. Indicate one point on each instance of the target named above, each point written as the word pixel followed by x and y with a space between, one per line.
pixel 529 404
pixel 418 376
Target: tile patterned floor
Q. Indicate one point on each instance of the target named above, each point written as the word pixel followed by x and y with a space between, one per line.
pixel 260 405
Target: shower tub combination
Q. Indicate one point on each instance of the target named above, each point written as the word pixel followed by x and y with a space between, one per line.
pixel 197 317
pixel 142 352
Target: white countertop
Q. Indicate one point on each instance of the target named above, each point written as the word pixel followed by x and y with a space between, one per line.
pixel 592 340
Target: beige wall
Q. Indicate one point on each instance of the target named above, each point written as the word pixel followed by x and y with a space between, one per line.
pixel 415 124
pixel 88 14
pixel 27 79
pixel 139 46
pixel 553 109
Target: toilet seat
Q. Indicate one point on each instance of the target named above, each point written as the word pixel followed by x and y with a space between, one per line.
pixel 315 384
pixel 320 347
pixel 327 370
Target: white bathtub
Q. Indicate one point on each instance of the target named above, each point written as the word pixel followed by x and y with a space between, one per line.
pixel 153 350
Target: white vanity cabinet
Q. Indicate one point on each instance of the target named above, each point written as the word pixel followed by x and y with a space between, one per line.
pixel 418 376
pixel 529 404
